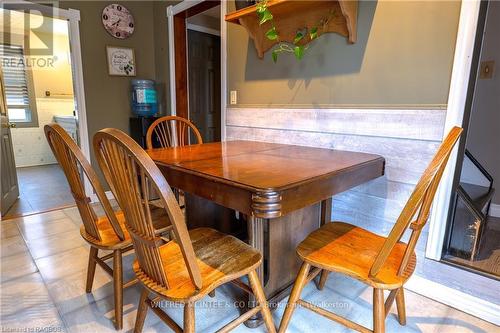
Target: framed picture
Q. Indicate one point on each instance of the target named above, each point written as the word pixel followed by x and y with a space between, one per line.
pixel 121 61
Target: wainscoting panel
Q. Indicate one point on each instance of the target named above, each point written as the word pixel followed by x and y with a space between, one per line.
pixel 407 139
pixel 396 123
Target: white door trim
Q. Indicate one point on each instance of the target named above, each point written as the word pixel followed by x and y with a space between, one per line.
pixel 171 12
pixel 73 18
pixel 76 59
pixel 223 69
pixel 171 58
pixel 464 49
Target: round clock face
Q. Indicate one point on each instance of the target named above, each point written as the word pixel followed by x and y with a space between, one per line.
pixel 118 21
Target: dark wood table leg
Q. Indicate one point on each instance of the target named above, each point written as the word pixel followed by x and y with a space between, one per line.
pixel 276 239
pixel 280 239
pixel 326 211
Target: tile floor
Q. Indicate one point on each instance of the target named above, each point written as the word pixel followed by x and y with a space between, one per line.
pixel 43 269
pixel 41 188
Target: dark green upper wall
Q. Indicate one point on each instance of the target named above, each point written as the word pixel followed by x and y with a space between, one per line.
pixel 403 56
pixel 107 98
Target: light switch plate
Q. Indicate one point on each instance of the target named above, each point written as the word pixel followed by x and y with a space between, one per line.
pixel 234 97
pixel 486 70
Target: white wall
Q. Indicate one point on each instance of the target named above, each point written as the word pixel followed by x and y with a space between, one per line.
pixel 30 146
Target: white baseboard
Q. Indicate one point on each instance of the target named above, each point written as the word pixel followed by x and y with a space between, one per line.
pixel 494 210
pixel 459 300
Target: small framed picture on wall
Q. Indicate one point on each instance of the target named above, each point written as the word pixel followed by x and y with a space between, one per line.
pixel 121 61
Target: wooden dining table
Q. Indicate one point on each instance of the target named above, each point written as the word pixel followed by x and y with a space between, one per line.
pixel 272 195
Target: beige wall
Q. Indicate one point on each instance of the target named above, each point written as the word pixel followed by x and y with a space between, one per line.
pixel 403 56
pixel 52 73
pixel 484 131
pixel 57 78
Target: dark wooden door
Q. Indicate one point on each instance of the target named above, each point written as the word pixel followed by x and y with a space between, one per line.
pixel 10 187
pixel 204 84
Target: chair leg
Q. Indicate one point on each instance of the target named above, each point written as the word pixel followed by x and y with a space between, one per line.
pixel 378 311
pixel 91 268
pixel 294 296
pixel 189 318
pixel 322 279
pixel 142 311
pixel 118 288
pixel 400 304
pixel 261 298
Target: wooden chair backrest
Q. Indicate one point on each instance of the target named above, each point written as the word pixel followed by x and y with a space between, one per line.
pixel 132 174
pixel 171 131
pixel 420 201
pixel 72 160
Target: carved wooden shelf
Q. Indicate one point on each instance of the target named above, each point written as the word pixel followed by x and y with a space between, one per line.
pixel 292 15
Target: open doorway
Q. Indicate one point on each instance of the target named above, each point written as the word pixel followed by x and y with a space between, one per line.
pixel 204 76
pixel 473 230
pixel 203 39
pixel 195 57
pixel 38 88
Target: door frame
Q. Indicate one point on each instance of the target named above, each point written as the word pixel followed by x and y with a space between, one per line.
pixel 73 18
pixel 179 93
pixel 455 113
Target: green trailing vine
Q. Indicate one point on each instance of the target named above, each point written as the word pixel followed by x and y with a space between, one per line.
pixel 265 15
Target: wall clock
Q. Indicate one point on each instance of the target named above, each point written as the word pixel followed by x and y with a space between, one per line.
pixel 118 21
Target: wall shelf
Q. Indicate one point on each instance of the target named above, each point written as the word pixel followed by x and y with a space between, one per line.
pixel 292 15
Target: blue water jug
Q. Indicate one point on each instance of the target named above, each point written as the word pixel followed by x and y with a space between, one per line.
pixel 144 101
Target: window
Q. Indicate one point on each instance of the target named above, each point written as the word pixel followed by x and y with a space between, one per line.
pixel 18 87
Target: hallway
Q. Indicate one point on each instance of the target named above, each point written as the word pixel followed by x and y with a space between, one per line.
pixel 42 188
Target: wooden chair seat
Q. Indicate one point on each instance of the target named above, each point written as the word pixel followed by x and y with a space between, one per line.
pixel 345 248
pixel 109 239
pixel 221 258
pixel 384 263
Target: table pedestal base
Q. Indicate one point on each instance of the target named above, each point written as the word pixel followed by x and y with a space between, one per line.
pixel 276 239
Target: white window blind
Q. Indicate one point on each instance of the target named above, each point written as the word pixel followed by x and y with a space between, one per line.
pixel 20 107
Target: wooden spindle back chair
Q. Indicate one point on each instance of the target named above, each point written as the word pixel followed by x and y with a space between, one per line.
pixel 71 159
pixel 101 232
pixel 384 263
pixel 191 265
pixel 133 174
pixel 172 131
